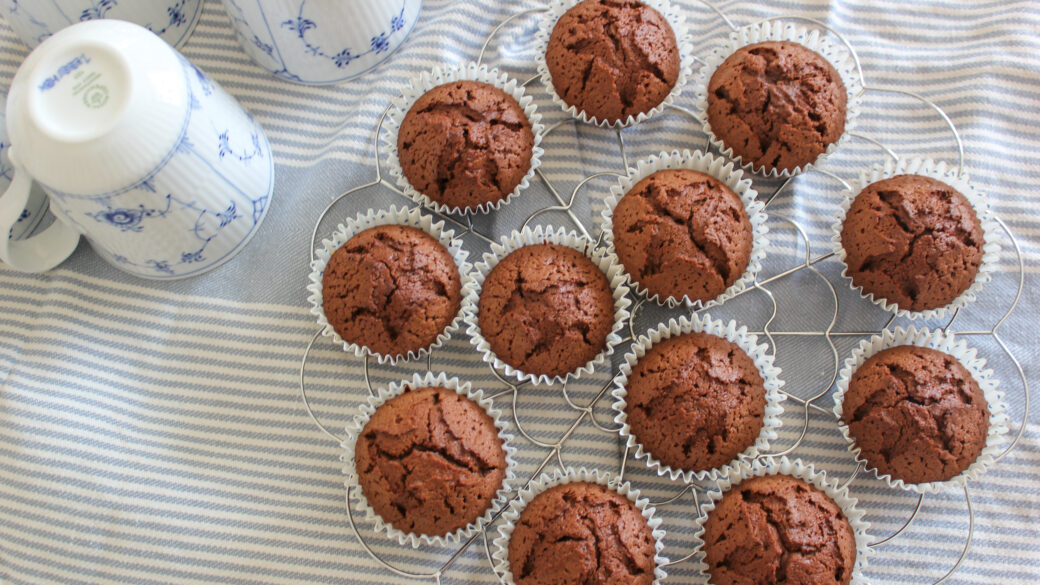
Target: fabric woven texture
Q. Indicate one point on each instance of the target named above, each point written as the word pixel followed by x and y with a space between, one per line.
pixel 154 432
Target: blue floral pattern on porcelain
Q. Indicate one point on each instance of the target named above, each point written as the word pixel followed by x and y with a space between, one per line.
pixel 199 206
pixel 35 20
pixel 321 41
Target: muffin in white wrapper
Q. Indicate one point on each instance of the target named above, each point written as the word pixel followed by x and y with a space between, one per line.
pixel 968 357
pixel 759 353
pixel 393 216
pixel 816 40
pixel 602 258
pixel 395 389
pixel 734 474
pixel 428 80
pixel 939 171
pixel 676 19
pixel 727 174
pixel 500 555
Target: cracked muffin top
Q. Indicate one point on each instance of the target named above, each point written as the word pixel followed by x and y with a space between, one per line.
pixel 612 58
pixel 430 461
pixel 682 233
pixel 695 401
pixel 912 240
pixel 581 533
pixel 465 144
pixel 777 104
pixel 546 309
pixel 916 413
pixel 778 530
pixel 392 289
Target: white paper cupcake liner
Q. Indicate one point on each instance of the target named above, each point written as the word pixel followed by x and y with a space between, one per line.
pixel 393 216
pixel 940 172
pixel 813 39
pixel 602 258
pixel 724 171
pixel 734 474
pixel 428 80
pixel 675 18
pixel 571 475
pixel 696 324
pixel 355 428
pixel 968 357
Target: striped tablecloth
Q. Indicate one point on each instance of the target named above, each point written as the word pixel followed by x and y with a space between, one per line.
pixel 153 432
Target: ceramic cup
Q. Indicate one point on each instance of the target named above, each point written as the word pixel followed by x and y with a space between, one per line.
pixel 164 173
pixel 35 20
pixel 321 41
pixel 36 205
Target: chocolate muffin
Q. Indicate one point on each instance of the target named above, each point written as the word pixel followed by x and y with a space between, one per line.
pixel 913 241
pixel 581 533
pixel 546 309
pixel 430 461
pixel 778 530
pixel 777 104
pixel 916 413
pixel 392 289
pixel 465 144
pixel 695 401
pixel 612 59
pixel 680 232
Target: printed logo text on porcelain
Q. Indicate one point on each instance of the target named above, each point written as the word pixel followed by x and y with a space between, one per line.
pixel 64 70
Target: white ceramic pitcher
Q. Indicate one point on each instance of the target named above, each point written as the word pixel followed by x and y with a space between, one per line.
pixel 164 173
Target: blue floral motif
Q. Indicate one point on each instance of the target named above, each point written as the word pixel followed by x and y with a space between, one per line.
pixel 224 147
pixel 24 215
pixel 300 25
pixel 120 259
pixel 263 46
pixel 196 256
pixel 128 219
pixel 160 266
pixel 378 44
pixel 97 10
pixel 176 14
pixel 228 215
pixel 343 58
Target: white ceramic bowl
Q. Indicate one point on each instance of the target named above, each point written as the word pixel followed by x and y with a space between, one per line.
pixel 35 20
pixel 36 208
pixel 321 41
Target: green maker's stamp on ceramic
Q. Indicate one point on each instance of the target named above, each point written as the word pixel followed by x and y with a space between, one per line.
pixel 81 94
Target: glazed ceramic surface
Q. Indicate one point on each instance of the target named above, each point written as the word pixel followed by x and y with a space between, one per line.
pixel 36 207
pixel 321 41
pixel 164 172
pixel 35 20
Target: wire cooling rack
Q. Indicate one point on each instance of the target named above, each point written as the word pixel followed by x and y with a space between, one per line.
pixel 584 413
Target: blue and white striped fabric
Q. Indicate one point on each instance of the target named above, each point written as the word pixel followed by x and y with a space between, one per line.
pixel 153 433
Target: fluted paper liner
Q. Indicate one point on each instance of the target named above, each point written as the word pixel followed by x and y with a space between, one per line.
pixel 395 389
pixel 813 39
pixel 727 174
pixel 683 41
pixel 428 80
pixel 571 475
pixel 940 172
pixel 603 259
pixel 695 323
pixel 968 357
pixel 734 474
pixel 393 216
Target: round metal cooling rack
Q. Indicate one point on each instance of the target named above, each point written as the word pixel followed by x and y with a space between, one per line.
pixel 585 412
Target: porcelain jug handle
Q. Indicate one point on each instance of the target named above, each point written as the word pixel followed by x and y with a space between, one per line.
pixel 37 253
